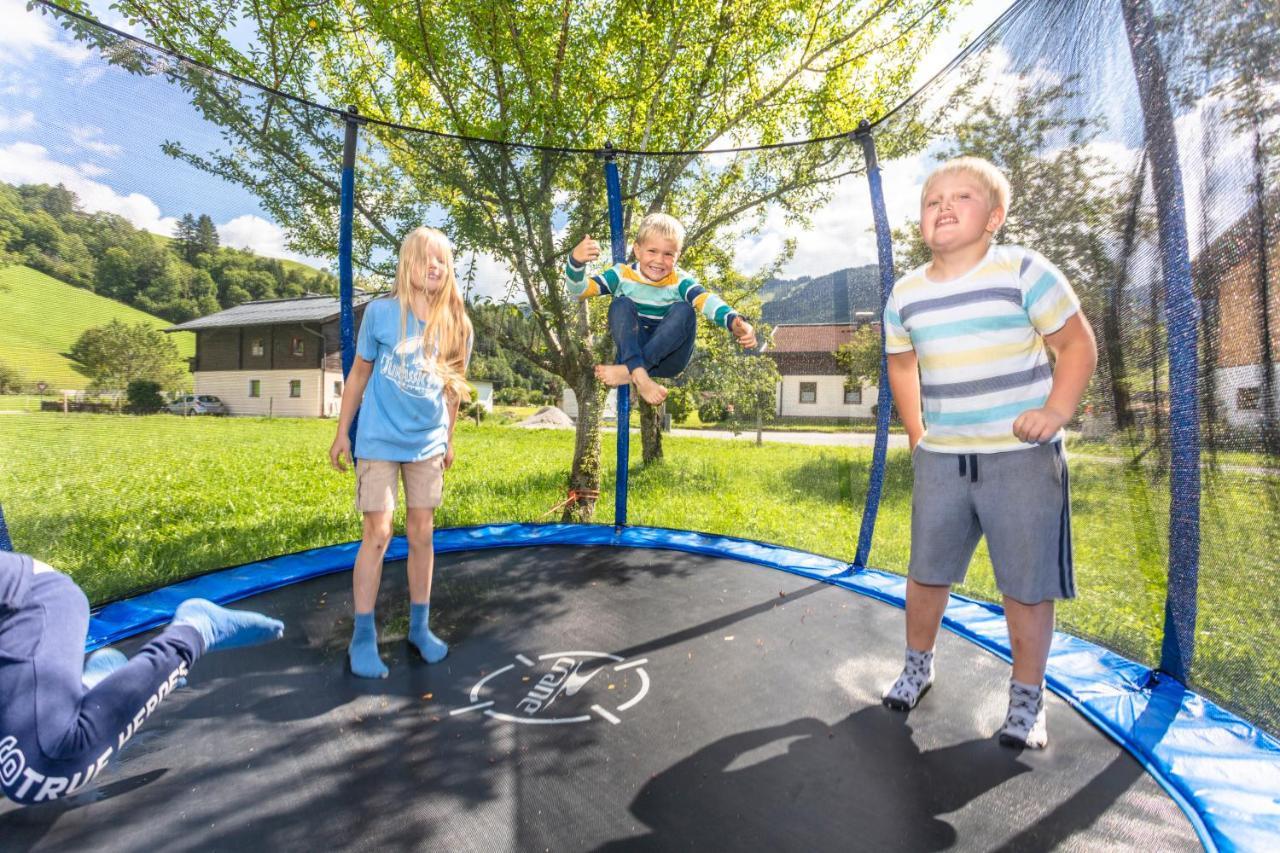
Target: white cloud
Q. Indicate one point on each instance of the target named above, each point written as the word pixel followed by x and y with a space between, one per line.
pixel 15 84
pixel 28 163
pixel 842 233
pixel 263 237
pixel 28 34
pixel 489 277
pixel 967 26
pixel 24 120
pixel 86 137
pixel 86 75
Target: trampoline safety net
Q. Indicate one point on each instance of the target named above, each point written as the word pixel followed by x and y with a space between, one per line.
pixel 182 203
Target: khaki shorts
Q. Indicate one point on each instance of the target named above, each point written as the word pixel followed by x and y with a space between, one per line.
pixel 376 484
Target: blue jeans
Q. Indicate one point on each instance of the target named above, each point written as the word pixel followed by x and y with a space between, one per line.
pixel 662 347
pixel 55 736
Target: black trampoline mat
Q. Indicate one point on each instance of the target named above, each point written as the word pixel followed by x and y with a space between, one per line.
pixel 761 728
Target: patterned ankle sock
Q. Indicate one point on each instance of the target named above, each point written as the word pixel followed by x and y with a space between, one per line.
pixel 363 650
pixel 431 647
pixel 916 677
pixel 1024 725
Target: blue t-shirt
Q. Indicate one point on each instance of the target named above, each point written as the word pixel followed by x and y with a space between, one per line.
pixel 404 416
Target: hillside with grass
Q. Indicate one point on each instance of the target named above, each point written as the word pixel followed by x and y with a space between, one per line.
pixel 42 317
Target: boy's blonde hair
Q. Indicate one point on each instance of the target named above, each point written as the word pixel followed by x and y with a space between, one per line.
pixel 983 171
pixel 448 328
pixel 661 225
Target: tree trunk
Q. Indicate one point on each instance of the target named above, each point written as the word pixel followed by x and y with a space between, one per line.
pixel 1112 328
pixel 584 478
pixel 650 429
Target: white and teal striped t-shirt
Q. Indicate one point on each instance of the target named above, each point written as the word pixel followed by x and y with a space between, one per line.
pixel 979 339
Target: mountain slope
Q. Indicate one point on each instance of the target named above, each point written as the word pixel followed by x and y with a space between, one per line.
pixel 832 298
pixel 41 317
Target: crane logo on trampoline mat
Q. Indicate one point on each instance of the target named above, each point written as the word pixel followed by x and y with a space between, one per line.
pixel 560 688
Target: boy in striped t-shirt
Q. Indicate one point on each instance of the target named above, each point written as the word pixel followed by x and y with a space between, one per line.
pixel 653 317
pixel 966 337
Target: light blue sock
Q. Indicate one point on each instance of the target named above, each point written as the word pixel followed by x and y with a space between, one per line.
pixel 363 650
pixel 100 664
pixel 221 628
pixel 431 647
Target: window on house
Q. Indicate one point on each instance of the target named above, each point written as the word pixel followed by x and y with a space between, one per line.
pixel 295 387
pixel 808 392
pixel 853 396
pixel 296 346
pixel 1248 399
pixel 337 389
pixel 255 387
pixel 256 348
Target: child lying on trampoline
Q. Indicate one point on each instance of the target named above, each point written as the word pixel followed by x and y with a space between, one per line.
pixel 62 719
pixel 653 317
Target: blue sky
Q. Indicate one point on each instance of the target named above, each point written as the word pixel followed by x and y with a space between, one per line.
pixel 67 116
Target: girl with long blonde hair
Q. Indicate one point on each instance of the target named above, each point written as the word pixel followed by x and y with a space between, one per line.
pixel 408 380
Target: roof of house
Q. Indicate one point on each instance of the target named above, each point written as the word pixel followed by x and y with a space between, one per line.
pixel 268 312
pixel 811 337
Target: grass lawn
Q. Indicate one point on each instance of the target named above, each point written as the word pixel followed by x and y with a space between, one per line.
pixel 23 402
pixel 749 425
pixel 43 317
pixel 124 503
pixel 502 415
pixel 1118 450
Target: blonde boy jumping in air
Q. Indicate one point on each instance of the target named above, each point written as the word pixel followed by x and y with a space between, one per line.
pixel 653 317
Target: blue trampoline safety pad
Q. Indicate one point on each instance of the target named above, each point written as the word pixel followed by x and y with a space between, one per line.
pixel 1222 771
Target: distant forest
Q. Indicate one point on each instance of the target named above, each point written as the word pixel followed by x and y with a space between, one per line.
pixel 180 277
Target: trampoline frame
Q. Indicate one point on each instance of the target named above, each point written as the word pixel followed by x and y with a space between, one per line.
pixel 1201 754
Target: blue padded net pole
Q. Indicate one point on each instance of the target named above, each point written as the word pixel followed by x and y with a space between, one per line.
pixel 6 544
pixel 1182 318
pixel 884 399
pixel 617 242
pixel 346 278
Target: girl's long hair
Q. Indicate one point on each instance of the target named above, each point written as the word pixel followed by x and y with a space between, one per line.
pixel 448 328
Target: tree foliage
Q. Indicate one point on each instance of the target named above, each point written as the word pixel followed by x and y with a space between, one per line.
pixel 859 359
pixel 10 379
pixel 117 354
pixel 676 76
pixel 144 397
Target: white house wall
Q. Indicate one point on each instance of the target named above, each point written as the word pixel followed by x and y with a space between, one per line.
pixel 569 404
pixel 484 393
pixel 232 387
pixel 829 402
pixel 1229 381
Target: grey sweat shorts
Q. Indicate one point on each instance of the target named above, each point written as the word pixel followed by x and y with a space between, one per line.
pixel 1020 500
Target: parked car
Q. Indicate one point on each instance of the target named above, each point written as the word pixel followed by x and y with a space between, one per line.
pixel 198 404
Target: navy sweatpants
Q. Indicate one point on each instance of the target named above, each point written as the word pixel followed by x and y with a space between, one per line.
pixel 662 347
pixel 55 736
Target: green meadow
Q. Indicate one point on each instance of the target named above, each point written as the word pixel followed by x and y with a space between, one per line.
pixel 125 503
pixel 43 317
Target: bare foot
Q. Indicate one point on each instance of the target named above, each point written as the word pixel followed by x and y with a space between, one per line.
pixel 651 392
pixel 613 375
